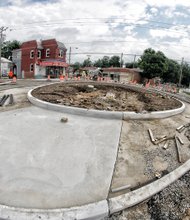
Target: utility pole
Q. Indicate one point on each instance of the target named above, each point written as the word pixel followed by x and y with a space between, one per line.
pixel 121 60
pixel 2 29
pixel 69 55
pixel 181 71
pixel 134 61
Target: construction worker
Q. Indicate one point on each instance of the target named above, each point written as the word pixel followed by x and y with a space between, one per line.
pixel 11 74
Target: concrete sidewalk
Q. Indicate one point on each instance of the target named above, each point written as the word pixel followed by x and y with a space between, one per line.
pixel 48 164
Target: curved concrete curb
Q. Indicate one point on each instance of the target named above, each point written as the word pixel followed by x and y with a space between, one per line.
pixel 100 209
pixel 132 198
pixel 154 115
pixel 92 211
pixel 73 110
pixel 104 114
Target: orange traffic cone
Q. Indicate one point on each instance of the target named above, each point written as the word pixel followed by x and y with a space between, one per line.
pixel 61 78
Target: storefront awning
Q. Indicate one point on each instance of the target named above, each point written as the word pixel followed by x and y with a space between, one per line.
pixel 53 63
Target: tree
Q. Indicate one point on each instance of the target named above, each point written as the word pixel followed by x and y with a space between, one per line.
pixel 114 61
pixel 76 65
pixel 8 47
pixel 87 63
pixel 185 75
pixel 105 62
pixel 154 64
pixel 98 63
pixel 131 65
pixel 172 73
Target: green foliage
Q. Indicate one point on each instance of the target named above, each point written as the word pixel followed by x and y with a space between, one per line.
pixel 87 63
pixel 76 66
pixel 8 47
pixel 185 75
pixel 105 62
pixel 154 64
pixel 114 61
pixel 172 72
pixel 131 65
pixel 98 63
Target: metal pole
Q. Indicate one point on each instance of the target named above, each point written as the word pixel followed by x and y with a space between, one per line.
pixel 0 52
pixel 69 55
pixel 121 59
pixel 2 29
pixel 134 61
pixel 181 71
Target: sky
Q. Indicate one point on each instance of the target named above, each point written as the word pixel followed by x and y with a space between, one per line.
pixel 94 28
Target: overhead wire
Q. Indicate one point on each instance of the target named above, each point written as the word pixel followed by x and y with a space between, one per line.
pixel 108 21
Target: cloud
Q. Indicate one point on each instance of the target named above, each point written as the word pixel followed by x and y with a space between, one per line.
pixel 154 10
pixel 129 26
pixel 171 32
pixel 5 3
pixel 168 3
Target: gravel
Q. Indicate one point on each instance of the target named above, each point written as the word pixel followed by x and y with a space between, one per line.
pixel 172 203
pixel 169 155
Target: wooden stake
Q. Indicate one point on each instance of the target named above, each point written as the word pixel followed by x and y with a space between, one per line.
pixel 178 150
pixel 151 136
pixel 120 188
pixel 180 140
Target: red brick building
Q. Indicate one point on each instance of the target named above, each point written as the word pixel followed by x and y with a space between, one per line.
pixel 46 57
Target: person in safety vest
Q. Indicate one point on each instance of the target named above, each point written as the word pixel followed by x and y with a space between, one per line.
pixel 11 74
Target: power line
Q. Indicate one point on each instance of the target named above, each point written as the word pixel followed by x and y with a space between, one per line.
pixel 126 41
pixel 90 24
pixel 76 22
pixel 105 18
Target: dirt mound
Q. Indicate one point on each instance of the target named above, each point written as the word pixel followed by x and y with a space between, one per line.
pixel 104 97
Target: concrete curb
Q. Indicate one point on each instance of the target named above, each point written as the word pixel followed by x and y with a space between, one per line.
pixel 74 110
pixel 132 198
pixel 154 115
pixel 104 114
pixel 5 83
pixel 92 211
pixel 100 209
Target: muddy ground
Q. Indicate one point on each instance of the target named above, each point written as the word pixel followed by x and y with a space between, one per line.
pixel 101 97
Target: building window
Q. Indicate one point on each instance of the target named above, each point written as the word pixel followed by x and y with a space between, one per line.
pixel 31 67
pixel 60 53
pixel 47 52
pixel 31 54
pixel 39 54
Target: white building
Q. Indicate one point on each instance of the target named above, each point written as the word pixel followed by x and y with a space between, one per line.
pixel 6 65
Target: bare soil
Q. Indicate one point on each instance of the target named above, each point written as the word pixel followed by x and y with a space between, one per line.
pixel 101 97
pixel 138 161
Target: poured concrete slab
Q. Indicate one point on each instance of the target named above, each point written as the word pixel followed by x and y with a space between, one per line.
pixel 48 164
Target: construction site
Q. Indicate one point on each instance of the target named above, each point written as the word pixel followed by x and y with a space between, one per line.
pixel 93 150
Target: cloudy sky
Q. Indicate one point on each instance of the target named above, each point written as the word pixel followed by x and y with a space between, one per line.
pixel 97 27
